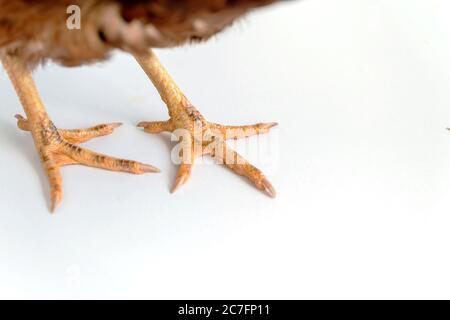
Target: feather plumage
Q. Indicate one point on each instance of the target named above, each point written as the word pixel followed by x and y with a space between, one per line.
pixel 35 30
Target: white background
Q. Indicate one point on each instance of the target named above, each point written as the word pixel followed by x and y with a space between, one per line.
pixel 361 90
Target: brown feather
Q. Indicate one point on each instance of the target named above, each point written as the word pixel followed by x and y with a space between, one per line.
pixel 35 30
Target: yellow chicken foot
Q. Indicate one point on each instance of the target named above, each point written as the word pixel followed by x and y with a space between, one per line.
pixel 199 136
pixel 59 148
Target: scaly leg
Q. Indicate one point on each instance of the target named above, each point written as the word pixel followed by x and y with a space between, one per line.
pixel 202 136
pixel 58 148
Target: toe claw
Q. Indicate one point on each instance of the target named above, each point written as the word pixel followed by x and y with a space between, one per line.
pixel 115 125
pixel 55 201
pixel 146 168
pixel 183 175
pixel 155 126
pixel 269 188
pixel 22 122
pixel 271 125
pixel 178 183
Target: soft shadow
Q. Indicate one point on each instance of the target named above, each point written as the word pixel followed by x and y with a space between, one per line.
pixel 23 142
pixel 165 138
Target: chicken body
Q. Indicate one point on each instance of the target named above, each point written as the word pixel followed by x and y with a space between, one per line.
pixel 76 32
pixel 37 30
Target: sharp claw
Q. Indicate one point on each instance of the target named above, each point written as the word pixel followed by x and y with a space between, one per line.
pixel 22 122
pixel 179 181
pixel 146 168
pixel 55 201
pixel 271 125
pixel 115 125
pixel 266 126
pixel 269 188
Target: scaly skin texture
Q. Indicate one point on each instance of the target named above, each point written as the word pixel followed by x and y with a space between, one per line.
pixel 35 31
pixel 203 137
pixel 59 148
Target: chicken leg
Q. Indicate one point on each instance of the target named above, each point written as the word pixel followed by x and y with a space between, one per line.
pixel 59 148
pixel 199 137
